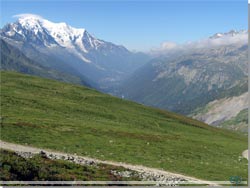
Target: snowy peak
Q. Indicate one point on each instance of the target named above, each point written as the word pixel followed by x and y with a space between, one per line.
pixel 29 22
pixel 73 50
pixel 216 35
pixel 232 33
pixel 59 33
pixel 232 37
pixel 36 22
pixel 60 40
pixel 62 33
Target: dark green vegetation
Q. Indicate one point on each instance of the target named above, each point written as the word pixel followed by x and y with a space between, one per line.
pixel 75 119
pixel 12 59
pixel 38 168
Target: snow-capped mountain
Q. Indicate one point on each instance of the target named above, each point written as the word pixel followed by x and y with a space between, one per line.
pixel 232 33
pixel 97 59
pixel 52 34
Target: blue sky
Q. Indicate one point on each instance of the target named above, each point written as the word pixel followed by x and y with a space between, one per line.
pixel 139 25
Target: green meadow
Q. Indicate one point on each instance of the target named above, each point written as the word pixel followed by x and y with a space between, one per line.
pixel 70 118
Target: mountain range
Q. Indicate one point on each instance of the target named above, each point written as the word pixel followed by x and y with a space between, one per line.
pixel 198 79
pixel 194 75
pixel 74 51
pixel 176 82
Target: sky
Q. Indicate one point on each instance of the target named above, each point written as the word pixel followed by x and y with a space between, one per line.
pixel 139 25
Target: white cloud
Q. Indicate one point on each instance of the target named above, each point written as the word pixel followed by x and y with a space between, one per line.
pixel 226 39
pixel 168 45
pixel 219 39
pixel 25 15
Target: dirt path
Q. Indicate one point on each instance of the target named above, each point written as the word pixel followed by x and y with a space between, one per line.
pixel 150 174
pixel 245 154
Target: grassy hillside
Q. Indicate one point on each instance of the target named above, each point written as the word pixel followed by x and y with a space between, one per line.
pixel 75 119
pixel 39 168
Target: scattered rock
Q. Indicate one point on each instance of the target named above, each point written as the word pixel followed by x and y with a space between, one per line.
pixel 43 154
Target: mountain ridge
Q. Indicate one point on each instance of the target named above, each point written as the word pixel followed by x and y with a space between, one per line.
pixel 102 62
pixel 184 82
pixel 12 59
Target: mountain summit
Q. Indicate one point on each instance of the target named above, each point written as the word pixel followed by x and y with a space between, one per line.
pixel 38 30
pixel 61 46
pixel 231 33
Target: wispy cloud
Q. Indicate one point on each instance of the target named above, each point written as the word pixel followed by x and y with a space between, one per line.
pixel 217 40
pixel 24 15
pixel 169 45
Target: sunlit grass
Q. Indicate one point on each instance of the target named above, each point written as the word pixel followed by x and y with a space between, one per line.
pixel 75 119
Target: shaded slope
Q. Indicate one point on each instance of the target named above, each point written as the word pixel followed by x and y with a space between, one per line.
pixel 12 59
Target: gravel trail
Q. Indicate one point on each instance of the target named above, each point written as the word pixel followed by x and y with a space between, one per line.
pixel 147 174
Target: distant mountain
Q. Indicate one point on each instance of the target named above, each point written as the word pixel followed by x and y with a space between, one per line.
pixel 12 59
pixel 64 48
pixel 194 75
pixel 231 35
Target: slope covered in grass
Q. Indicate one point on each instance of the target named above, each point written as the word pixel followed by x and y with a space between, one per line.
pixel 69 118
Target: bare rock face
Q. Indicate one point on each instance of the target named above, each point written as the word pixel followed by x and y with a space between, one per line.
pixel 223 109
pixel 228 112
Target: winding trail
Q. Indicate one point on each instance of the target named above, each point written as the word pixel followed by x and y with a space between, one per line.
pixel 245 154
pixel 86 160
